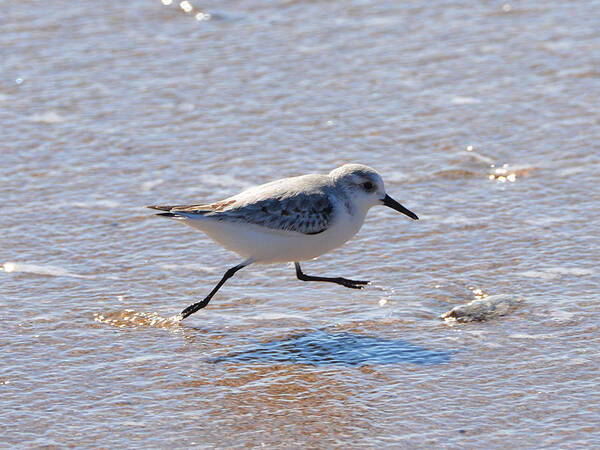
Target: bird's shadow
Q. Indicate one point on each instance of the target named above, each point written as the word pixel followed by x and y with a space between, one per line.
pixel 323 348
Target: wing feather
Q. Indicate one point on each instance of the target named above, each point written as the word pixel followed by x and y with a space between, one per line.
pixel 307 213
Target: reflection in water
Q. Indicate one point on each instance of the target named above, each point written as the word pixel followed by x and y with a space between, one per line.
pixel 321 348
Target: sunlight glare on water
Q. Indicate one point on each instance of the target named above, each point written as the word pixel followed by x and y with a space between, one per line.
pixel 131 318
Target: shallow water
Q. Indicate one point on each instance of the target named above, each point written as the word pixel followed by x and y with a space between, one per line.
pixel 483 119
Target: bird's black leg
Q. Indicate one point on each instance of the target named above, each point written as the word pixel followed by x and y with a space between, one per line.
pixel 354 284
pixel 196 306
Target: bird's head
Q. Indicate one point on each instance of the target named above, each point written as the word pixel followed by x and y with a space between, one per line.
pixel 365 188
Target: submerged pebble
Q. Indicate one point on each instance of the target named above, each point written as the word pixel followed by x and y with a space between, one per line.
pixel 482 309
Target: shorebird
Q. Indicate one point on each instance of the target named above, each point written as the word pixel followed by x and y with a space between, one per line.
pixel 289 220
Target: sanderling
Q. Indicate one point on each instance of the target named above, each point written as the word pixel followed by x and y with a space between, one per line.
pixel 289 220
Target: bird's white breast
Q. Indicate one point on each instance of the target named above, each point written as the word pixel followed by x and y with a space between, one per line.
pixel 264 245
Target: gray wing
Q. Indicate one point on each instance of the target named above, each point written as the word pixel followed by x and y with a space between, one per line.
pixel 307 213
pixel 303 213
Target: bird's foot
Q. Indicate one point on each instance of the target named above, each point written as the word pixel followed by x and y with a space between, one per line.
pixel 353 284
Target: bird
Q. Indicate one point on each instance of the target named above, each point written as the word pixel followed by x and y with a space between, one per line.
pixel 288 220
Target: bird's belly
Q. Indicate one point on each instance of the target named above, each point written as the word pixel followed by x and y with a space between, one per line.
pixel 264 245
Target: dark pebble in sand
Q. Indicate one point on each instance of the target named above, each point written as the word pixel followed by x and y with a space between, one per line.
pixel 483 308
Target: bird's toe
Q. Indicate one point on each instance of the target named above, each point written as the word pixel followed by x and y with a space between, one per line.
pixel 356 284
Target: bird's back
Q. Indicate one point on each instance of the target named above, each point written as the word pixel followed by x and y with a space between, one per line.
pixel 301 204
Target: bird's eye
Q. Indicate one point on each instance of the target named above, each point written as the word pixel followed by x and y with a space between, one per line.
pixel 367 185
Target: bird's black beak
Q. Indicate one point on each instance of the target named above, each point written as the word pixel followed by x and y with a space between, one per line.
pixel 389 201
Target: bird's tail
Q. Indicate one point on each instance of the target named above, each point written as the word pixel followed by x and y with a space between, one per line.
pixel 182 211
pixel 163 208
